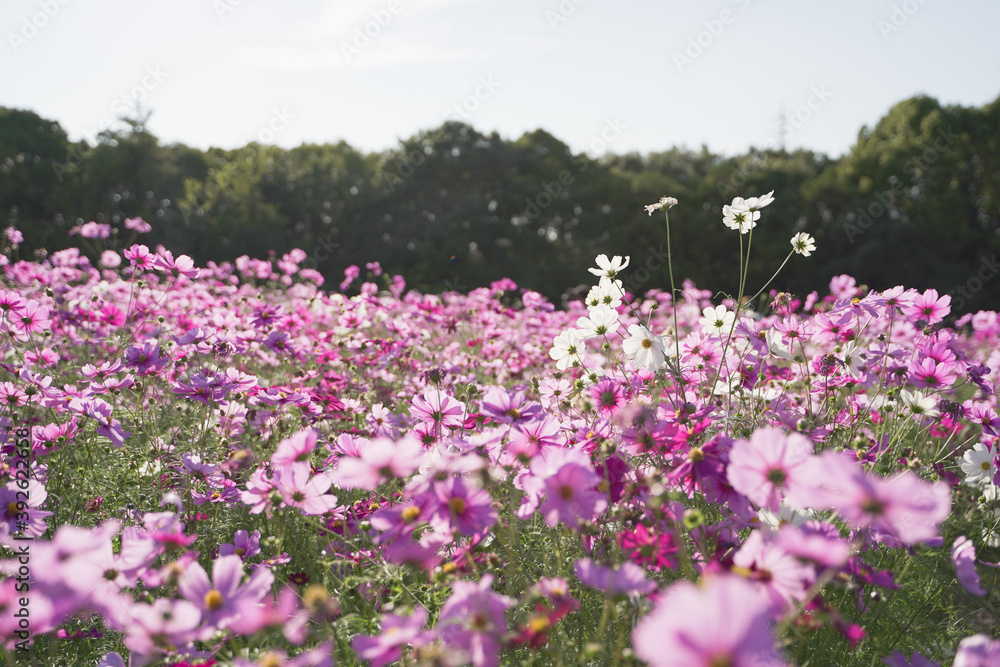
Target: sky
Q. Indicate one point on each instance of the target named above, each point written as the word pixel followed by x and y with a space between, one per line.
pixel 602 76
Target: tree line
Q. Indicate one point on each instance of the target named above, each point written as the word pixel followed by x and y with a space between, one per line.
pixel 914 202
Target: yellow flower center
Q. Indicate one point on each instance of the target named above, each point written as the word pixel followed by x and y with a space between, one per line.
pixel 12 508
pixel 457 505
pixel 213 599
pixel 410 514
pixel 646 343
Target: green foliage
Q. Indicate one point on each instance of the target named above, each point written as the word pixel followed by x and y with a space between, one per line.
pixel 914 202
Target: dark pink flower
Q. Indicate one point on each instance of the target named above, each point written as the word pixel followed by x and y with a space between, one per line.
pixel 928 307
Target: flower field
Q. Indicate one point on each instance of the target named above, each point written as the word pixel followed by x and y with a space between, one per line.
pixel 233 464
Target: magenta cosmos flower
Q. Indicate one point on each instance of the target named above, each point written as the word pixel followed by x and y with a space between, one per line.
pixel 928 307
pixel 722 622
pixel 771 466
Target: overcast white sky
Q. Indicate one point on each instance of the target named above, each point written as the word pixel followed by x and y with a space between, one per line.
pixel 646 74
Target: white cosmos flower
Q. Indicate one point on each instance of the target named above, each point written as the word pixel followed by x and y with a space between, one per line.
pixel 609 268
pixel 757 203
pixel 601 321
pixel 978 466
pixel 803 244
pixel 737 216
pixel 566 348
pixel 854 359
pixel 644 349
pixel 665 202
pixel 919 404
pixel 777 346
pixel 608 293
pixel 717 321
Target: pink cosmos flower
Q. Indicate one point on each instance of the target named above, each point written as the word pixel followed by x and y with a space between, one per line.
pixel 462 507
pixel 222 599
pixel 140 257
pixel 609 396
pixel 20 510
pixel 110 259
pixel 100 412
pixel 928 307
pixel 652 551
pixel 771 466
pixel 161 624
pixel 978 651
pixel 138 225
pixel 437 407
pixel 963 557
pixel 628 579
pixel 33 318
pixel 91 230
pixel 300 489
pixel 184 265
pixel 397 631
pixel 258 492
pixel 903 506
pixel 297 447
pixel 146 359
pixel 380 460
pixel 472 621
pixel 783 578
pixel 897 659
pixel 243 545
pixel 527 439
pixel 509 407
pixel 722 622
pixel 569 484
pixel 928 373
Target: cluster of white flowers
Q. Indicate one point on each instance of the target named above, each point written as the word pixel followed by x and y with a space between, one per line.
pixel 641 347
pixel 644 349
